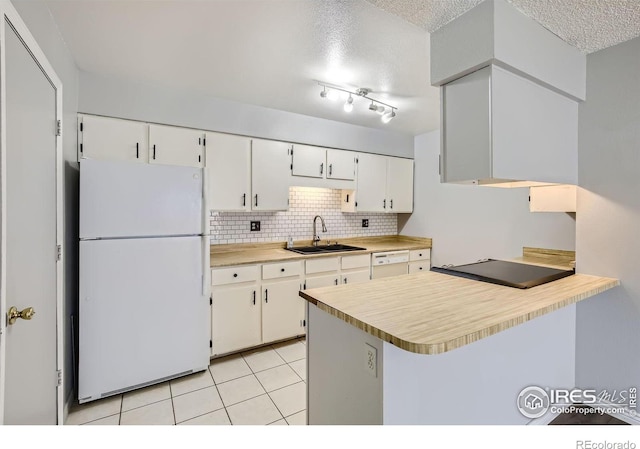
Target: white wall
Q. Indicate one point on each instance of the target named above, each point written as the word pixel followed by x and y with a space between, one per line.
pixel 471 222
pixel 38 19
pixel 608 229
pixel 147 102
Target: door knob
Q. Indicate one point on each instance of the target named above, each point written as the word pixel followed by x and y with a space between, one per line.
pixel 13 314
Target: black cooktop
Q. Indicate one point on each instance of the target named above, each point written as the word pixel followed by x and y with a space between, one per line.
pixel 511 274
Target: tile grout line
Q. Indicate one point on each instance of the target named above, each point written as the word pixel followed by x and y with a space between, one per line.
pixel 173 408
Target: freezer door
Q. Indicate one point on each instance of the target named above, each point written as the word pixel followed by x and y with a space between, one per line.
pixel 124 199
pixel 143 314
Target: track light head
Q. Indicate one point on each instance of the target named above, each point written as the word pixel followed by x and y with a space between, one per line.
pixel 373 107
pixel 348 105
pixel 386 118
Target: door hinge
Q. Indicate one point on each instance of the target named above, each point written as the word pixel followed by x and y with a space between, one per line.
pixel 81 148
pixel 59 377
pixel 291 167
pixel 59 128
pixel 204 141
pixel 81 127
pixel 211 343
pixel 59 252
pixel 357 160
pixel 211 301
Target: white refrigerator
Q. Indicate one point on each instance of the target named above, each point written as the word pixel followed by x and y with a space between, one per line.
pixel 144 314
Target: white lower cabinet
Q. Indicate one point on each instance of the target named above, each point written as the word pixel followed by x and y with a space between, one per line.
pixel 322 281
pixel 419 260
pixel 282 310
pixel 355 277
pixel 236 319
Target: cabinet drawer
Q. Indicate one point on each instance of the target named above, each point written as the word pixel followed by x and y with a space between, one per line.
pixel 322 264
pixel 359 261
pixel 322 281
pixel 420 254
pixel 281 270
pixel 234 275
pixel 418 267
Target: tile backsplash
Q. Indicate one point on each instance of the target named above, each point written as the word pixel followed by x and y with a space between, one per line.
pixel 304 204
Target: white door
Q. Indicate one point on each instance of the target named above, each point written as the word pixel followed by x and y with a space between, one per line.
pixel 121 199
pixel 309 161
pixel 281 306
pixel 143 314
pixel 372 173
pixel 235 319
pixel 228 166
pixel 30 272
pixel 171 145
pixel 341 165
pixel 113 139
pixel 270 175
pixel 399 185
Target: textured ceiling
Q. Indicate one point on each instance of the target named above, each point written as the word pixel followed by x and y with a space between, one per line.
pixel 588 25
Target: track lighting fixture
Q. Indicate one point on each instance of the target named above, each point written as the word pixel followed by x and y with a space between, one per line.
pixel 385 110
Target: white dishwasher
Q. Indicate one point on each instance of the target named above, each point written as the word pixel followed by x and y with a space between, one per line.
pixel 390 263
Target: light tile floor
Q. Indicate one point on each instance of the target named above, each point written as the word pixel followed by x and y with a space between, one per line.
pixel 263 386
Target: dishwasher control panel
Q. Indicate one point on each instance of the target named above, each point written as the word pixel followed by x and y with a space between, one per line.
pixel 390 257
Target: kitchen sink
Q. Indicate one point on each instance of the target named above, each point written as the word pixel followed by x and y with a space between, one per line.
pixel 321 249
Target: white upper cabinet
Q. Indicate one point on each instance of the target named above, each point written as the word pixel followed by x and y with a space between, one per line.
pixel 399 185
pixel 308 161
pixel 371 184
pixel 341 165
pixel 112 139
pixel 170 145
pixel 228 160
pixel 270 175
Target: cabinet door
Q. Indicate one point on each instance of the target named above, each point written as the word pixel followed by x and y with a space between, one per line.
pixel 372 173
pixel 170 145
pixel 399 185
pixel 228 167
pixel 355 277
pixel 270 175
pixel 322 281
pixel 341 165
pixel 281 310
pixel 113 139
pixel 309 161
pixel 235 319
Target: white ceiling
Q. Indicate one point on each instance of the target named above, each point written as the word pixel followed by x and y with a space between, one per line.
pixel 270 52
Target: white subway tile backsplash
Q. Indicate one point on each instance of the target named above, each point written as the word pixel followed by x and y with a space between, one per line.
pixel 304 204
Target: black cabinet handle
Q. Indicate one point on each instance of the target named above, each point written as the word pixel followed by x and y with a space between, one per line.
pixel 256 200
pixel 345 280
pixel 254 297
pixel 235 275
pixel 419 254
pixel 330 169
pixel 266 295
pixel 336 281
pixel 244 199
pixel 321 168
pixel 391 204
pixel 154 152
pixel 137 151
pixel 384 204
pixel 282 270
pixel 420 268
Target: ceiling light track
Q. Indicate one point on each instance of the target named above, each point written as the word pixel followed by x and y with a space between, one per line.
pixel 386 110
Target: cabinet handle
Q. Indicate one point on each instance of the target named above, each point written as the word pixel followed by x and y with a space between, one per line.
pixel 345 280
pixel 235 275
pixel 420 268
pixel 391 204
pixel 154 152
pixel 321 168
pixel 266 295
pixel 282 270
pixel 384 204
pixel 336 281
pixel 256 200
pixel 137 151
pixel 347 200
pixel 254 297
pixel 330 169
pixel 244 199
pixel 419 254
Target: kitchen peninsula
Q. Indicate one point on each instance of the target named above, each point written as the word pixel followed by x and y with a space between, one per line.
pixel 429 348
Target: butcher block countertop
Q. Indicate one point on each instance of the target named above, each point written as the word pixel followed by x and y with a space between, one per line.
pixel 240 254
pixel 432 313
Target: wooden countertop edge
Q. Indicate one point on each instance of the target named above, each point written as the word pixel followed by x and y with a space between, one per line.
pixel 445 346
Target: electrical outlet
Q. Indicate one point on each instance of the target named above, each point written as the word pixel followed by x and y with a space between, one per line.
pixel 255 226
pixel 371 359
pixel 365 222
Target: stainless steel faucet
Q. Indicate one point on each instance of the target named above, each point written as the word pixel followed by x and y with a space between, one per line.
pixel 316 237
